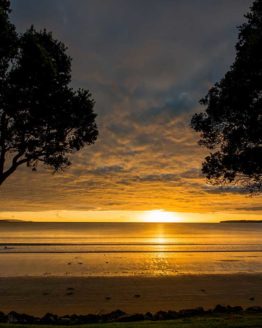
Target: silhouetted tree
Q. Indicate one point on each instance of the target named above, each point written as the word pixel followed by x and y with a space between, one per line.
pixel 231 126
pixel 42 119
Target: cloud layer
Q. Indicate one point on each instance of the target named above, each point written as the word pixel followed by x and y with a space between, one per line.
pixel 147 64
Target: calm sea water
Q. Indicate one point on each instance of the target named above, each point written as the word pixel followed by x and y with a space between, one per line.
pixel 124 249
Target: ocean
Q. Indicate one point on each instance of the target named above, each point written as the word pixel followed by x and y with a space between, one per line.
pixel 129 249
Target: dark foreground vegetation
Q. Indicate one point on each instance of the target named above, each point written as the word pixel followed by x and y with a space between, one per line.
pixel 231 125
pixel 42 118
pixel 220 316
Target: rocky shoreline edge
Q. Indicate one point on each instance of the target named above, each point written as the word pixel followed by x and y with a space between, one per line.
pixel 121 316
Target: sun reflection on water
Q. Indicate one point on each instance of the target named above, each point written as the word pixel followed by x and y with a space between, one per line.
pixel 160 240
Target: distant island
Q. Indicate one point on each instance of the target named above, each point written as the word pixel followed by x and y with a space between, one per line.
pixel 241 221
pixel 13 221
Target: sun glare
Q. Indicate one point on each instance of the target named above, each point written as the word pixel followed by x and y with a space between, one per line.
pixel 160 216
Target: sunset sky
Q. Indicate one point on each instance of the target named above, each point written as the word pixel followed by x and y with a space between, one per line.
pixel 147 64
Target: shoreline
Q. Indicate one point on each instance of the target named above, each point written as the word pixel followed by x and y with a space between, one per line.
pixel 218 312
pixel 132 294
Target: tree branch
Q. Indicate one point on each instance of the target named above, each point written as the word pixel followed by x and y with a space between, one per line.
pixel 2 142
pixel 13 167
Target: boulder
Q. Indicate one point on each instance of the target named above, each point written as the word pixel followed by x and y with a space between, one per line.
pixel 66 320
pixel 172 314
pixel 131 318
pixel 234 309
pixel 113 316
pixel 191 312
pixel 91 318
pixel 148 316
pixel 49 318
pixel 72 319
pixel 14 317
pixel 220 309
pixel 161 315
pixel 254 309
pixel 3 318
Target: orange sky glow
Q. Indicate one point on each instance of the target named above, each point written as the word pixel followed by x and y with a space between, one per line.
pixel 146 74
pixel 126 216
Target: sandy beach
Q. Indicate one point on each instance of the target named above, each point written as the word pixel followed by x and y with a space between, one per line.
pixel 67 295
pixel 94 268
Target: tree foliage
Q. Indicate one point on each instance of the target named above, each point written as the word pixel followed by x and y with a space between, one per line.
pixel 231 126
pixel 42 119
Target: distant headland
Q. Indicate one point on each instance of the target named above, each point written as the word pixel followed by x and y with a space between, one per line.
pixel 13 221
pixel 241 221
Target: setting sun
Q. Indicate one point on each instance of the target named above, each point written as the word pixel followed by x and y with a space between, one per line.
pixel 160 216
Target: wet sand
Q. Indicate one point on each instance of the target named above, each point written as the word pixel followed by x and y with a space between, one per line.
pixel 81 295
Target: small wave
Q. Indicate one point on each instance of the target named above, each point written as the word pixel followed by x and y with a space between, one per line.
pixel 126 251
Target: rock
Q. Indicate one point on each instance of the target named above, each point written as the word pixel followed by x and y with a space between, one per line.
pixel 131 318
pixel 65 320
pixel 49 318
pixel 69 293
pixel 172 314
pixel 234 309
pixel 14 317
pixel 3 318
pixel 160 315
pixel 148 316
pixel 254 309
pixel 113 316
pixel 90 318
pixel 220 309
pixel 191 312
pixel 73 319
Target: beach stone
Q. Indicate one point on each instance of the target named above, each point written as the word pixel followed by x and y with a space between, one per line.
pixel 3 318
pixel 49 318
pixel 234 309
pixel 90 318
pixel 172 314
pixel 73 319
pixel 113 316
pixel 14 317
pixel 220 309
pixel 65 320
pixel 161 315
pixel 31 319
pixel 148 316
pixel 191 312
pixel 254 309
pixel 131 318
